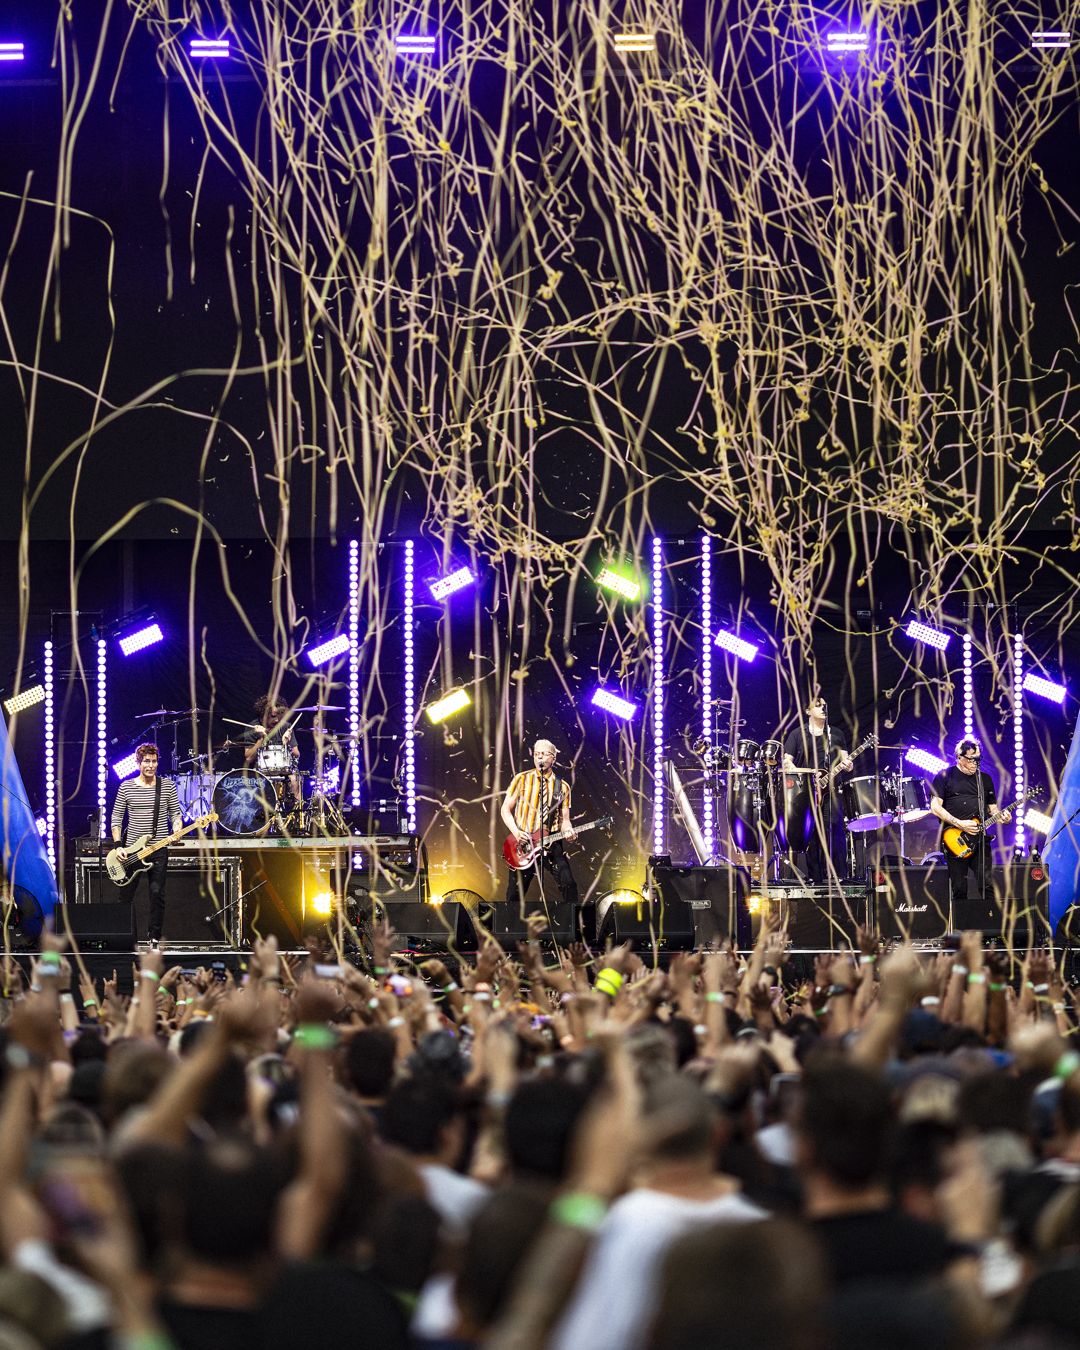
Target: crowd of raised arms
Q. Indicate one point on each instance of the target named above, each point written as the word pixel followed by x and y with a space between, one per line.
pixel 543 1148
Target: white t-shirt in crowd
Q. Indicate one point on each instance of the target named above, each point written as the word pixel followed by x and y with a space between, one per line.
pixel 615 1299
pixel 456 1198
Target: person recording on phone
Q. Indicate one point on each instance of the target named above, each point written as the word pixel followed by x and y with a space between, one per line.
pixel 963 796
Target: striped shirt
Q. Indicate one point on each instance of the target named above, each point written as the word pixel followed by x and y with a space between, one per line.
pixel 137 799
pixel 524 795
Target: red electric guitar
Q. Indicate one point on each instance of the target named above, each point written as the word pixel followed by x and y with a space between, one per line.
pixel 519 856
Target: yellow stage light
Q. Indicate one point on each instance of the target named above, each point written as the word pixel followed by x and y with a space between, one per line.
pixel 435 899
pixel 322 904
pixel 445 707
pixel 27 699
pixel 755 903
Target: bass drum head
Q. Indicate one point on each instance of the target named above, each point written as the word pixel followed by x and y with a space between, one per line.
pixel 195 794
pixel 245 801
pixel 865 807
pixel 910 799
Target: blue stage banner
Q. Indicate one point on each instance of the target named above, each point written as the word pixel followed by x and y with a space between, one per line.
pixel 25 862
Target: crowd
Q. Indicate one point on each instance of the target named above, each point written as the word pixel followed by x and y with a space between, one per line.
pixel 543 1147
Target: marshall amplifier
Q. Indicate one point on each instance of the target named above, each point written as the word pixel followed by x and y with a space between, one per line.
pixel 909 901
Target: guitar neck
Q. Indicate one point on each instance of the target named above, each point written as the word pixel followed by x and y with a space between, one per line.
pixel 164 843
pixel 574 829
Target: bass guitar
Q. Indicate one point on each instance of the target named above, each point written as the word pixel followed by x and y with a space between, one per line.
pixel 123 871
pixel 519 856
pixel 962 845
pixel 827 777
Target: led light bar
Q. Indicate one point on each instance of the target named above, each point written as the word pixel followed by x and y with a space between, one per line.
pixel 144 637
pixel 212 47
pixel 326 651
pixel 451 583
pixel 26 698
pixel 446 706
pixel 102 736
pixel 737 646
pixel 354 670
pixel 969 702
pixel 408 730
pixel 1018 736
pixel 1035 684
pixel 659 803
pixel 708 824
pixel 635 42
pixel 923 632
pixel 1038 821
pixel 414 44
pixel 840 42
pixel 1046 39
pixel 615 704
pixel 124 768
pixel 42 825
pixel 610 580
pixel 923 759
pixel 52 793
pixel 12 51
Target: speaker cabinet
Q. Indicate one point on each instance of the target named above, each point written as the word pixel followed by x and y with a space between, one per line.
pixel 816 918
pixel 105 926
pixel 698 906
pixel 913 901
pixel 910 900
pixel 199 898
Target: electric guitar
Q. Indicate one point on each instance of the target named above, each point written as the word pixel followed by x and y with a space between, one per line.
pixel 123 871
pixel 519 856
pixel 962 845
pixel 827 777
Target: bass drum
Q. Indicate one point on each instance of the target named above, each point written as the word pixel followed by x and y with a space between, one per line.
pixel 866 805
pixel 246 802
pixel 910 799
pixel 797 826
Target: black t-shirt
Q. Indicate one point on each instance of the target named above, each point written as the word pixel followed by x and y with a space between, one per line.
pixel 959 792
pixel 884 1245
pixel 810 751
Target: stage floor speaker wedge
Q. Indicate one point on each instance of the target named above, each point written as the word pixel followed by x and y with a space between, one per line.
pixel 1019 913
pixel 195 893
pixel 105 926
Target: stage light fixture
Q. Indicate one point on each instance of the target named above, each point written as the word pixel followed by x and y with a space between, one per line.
pixel 414 44
pixel 609 579
pixel 448 705
pixel 708 827
pixel 634 42
pixel 322 904
pixel 42 825
pixel 923 759
pixel 12 51
pixel 626 895
pixel 969 702
pixel 1048 39
pixel 924 632
pixel 354 670
pixel 659 822
pixel 51 787
pixel 142 638
pixel 1018 736
pixel 1038 821
pixel 1035 684
pixel 436 899
pixel 839 42
pixel 215 48
pixel 102 736
pixel 409 729
pixel 26 698
pixel 326 651
pixel 452 583
pixel 124 768
pixel 614 704
pixel 755 902
pixel 737 646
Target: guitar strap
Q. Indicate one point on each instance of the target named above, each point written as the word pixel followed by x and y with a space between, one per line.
pixel 157 807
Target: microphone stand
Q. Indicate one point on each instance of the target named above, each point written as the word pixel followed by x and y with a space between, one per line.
pixel 209 918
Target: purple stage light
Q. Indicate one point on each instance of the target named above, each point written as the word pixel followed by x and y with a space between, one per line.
pixel 144 637
pixel 614 704
pixel 326 651
pixel 923 759
pixel 414 44
pixel 124 768
pixel 923 632
pixel 840 42
pixel 12 51
pixel 42 825
pixel 1035 684
pixel 451 583
pixel 217 48
pixel 1047 38
pixel 745 651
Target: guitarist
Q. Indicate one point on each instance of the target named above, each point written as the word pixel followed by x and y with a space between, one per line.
pixel 815 744
pixel 152 808
pixel 963 796
pixel 535 798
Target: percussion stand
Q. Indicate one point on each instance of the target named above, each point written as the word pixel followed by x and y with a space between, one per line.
pixel 900 802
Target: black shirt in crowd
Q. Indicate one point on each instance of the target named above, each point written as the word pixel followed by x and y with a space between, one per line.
pixel 810 751
pixel 959 792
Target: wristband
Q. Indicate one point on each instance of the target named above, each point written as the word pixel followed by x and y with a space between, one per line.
pixel 380 970
pixel 579 1210
pixel 450 986
pixel 396 1022
pixel 149 975
pixel 838 990
pixel 930 1001
pixel 89 1002
pixel 314 1036
pixel 713 997
pixel 821 1012
pixel 609 981
pixel 1067 1065
pixel 1041 988
pixel 1029 984
pixel 49 959
pixel 976 977
pixel 959 970
pixel 996 988
pixel 373 1003
pixel 867 960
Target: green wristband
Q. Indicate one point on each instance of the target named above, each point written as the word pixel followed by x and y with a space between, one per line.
pixel 315 1036
pixel 149 975
pixel 609 981
pixel 89 1002
pixel 579 1210
pixel 976 977
pixel 1067 1065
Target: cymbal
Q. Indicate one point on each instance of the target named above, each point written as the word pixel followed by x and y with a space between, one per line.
pixel 322 707
pixel 169 712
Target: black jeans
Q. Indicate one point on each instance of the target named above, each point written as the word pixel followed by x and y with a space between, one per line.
pixel 556 867
pixel 980 863
pixel 159 865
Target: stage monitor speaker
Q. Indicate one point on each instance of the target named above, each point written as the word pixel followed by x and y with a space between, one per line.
pixel 818 918
pixel 909 900
pixel 104 926
pixel 699 906
pixel 1019 913
pixel 195 892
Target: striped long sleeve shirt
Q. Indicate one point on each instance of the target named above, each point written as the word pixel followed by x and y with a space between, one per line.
pixel 137 799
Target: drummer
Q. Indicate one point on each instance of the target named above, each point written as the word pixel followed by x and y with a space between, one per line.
pixel 815 744
pixel 271 730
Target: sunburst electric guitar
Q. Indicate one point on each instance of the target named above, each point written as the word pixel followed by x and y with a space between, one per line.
pixel 962 845
pixel 123 871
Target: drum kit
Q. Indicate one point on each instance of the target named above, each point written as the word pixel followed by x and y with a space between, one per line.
pixel 269 796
